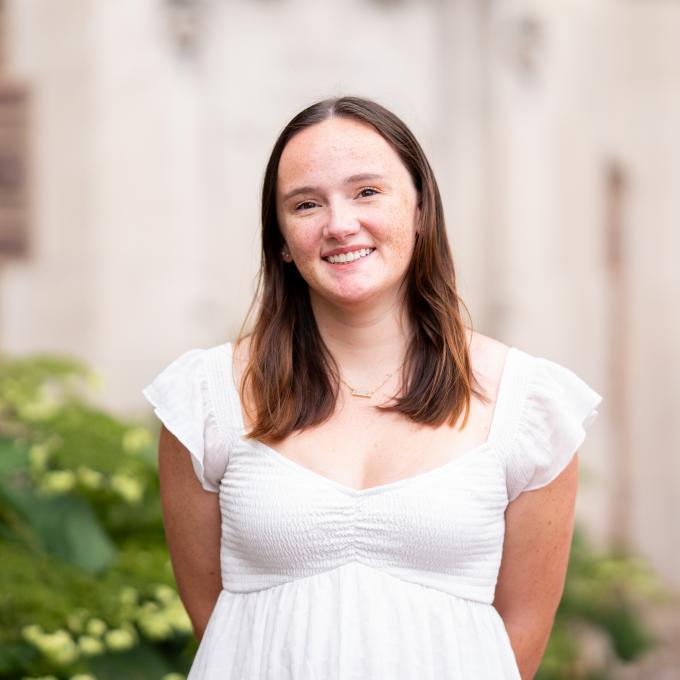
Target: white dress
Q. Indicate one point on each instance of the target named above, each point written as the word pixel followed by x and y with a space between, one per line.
pixel 325 582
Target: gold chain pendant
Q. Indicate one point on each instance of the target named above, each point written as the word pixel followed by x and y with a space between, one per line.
pixel 365 393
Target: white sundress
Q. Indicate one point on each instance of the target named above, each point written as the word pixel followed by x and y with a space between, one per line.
pixel 322 581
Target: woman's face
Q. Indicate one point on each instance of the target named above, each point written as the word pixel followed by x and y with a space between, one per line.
pixel 348 211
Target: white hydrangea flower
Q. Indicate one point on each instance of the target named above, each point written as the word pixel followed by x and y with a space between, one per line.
pixel 59 647
pixel 119 639
pixel 32 632
pixel 90 646
pixel 57 482
pixel 178 618
pixel 44 407
pixel 76 620
pixel 96 627
pixel 136 439
pixel 154 625
pixel 129 488
pixel 129 595
pixel 38 455
pixel 165 594
pixel 89 478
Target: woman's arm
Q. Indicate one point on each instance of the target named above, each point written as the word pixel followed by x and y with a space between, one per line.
pixel 538 531
pixel 191 516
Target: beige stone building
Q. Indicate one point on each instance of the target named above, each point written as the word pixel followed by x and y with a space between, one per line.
pixel 133 158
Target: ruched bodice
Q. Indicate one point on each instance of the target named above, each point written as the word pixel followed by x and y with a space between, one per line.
pixel 321 580
pixel 282 522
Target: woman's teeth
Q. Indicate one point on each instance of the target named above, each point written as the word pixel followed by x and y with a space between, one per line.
pixel 349 257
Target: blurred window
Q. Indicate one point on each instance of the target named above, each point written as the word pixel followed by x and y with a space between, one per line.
pixel 13 157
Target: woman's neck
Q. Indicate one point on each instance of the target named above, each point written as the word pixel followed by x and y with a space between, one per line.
pixel 367 342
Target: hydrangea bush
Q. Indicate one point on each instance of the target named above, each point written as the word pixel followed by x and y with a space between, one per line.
pixel 88 589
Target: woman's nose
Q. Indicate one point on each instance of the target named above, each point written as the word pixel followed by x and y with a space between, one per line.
pixel 341 222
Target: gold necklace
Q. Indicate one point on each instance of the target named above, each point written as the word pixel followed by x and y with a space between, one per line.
pixel 365 393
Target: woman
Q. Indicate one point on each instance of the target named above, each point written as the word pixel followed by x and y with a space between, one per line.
pixel 382 492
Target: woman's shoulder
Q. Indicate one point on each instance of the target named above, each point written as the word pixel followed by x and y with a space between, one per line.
pixel 487 356
pixel 240 352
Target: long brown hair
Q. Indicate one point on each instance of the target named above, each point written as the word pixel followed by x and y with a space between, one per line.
pixel 290 375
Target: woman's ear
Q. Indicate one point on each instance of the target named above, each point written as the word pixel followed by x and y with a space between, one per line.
pixel 285 254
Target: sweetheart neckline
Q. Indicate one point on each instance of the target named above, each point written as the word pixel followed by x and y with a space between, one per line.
pixel 501 396
pixel 369 490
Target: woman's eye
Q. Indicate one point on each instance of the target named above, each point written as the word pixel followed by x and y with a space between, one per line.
pixel 372 191
pixel 305 205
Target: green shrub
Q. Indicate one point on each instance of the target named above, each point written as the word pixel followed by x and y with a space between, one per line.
pixel 86 579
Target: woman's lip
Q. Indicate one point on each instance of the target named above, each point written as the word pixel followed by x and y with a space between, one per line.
pixel 347 249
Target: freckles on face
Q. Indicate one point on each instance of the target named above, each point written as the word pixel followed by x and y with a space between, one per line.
pixel 341 184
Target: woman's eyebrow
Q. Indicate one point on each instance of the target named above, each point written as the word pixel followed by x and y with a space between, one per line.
pixel 361 177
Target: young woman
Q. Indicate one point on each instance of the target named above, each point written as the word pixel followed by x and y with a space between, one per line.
pixel 362 486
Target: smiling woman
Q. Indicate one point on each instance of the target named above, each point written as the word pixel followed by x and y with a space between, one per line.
pixel 362 486
pixel 351 203
pixel 334 218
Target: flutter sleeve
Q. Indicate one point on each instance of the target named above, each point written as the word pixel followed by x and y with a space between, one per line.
pixel 558 408
pixel 180 395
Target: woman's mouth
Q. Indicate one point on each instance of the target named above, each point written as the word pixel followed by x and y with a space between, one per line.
pixel 347 258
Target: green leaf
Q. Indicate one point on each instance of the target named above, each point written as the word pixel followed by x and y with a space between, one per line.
pixel 15 657
pixel 13 456
pixel 66 527
pixel 141 663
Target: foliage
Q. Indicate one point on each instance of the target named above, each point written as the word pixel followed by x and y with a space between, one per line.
pixel 88 589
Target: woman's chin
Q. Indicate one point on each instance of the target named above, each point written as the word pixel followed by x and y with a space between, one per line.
pixel 351 296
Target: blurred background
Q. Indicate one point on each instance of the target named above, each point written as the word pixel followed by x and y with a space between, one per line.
pixel 133 140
